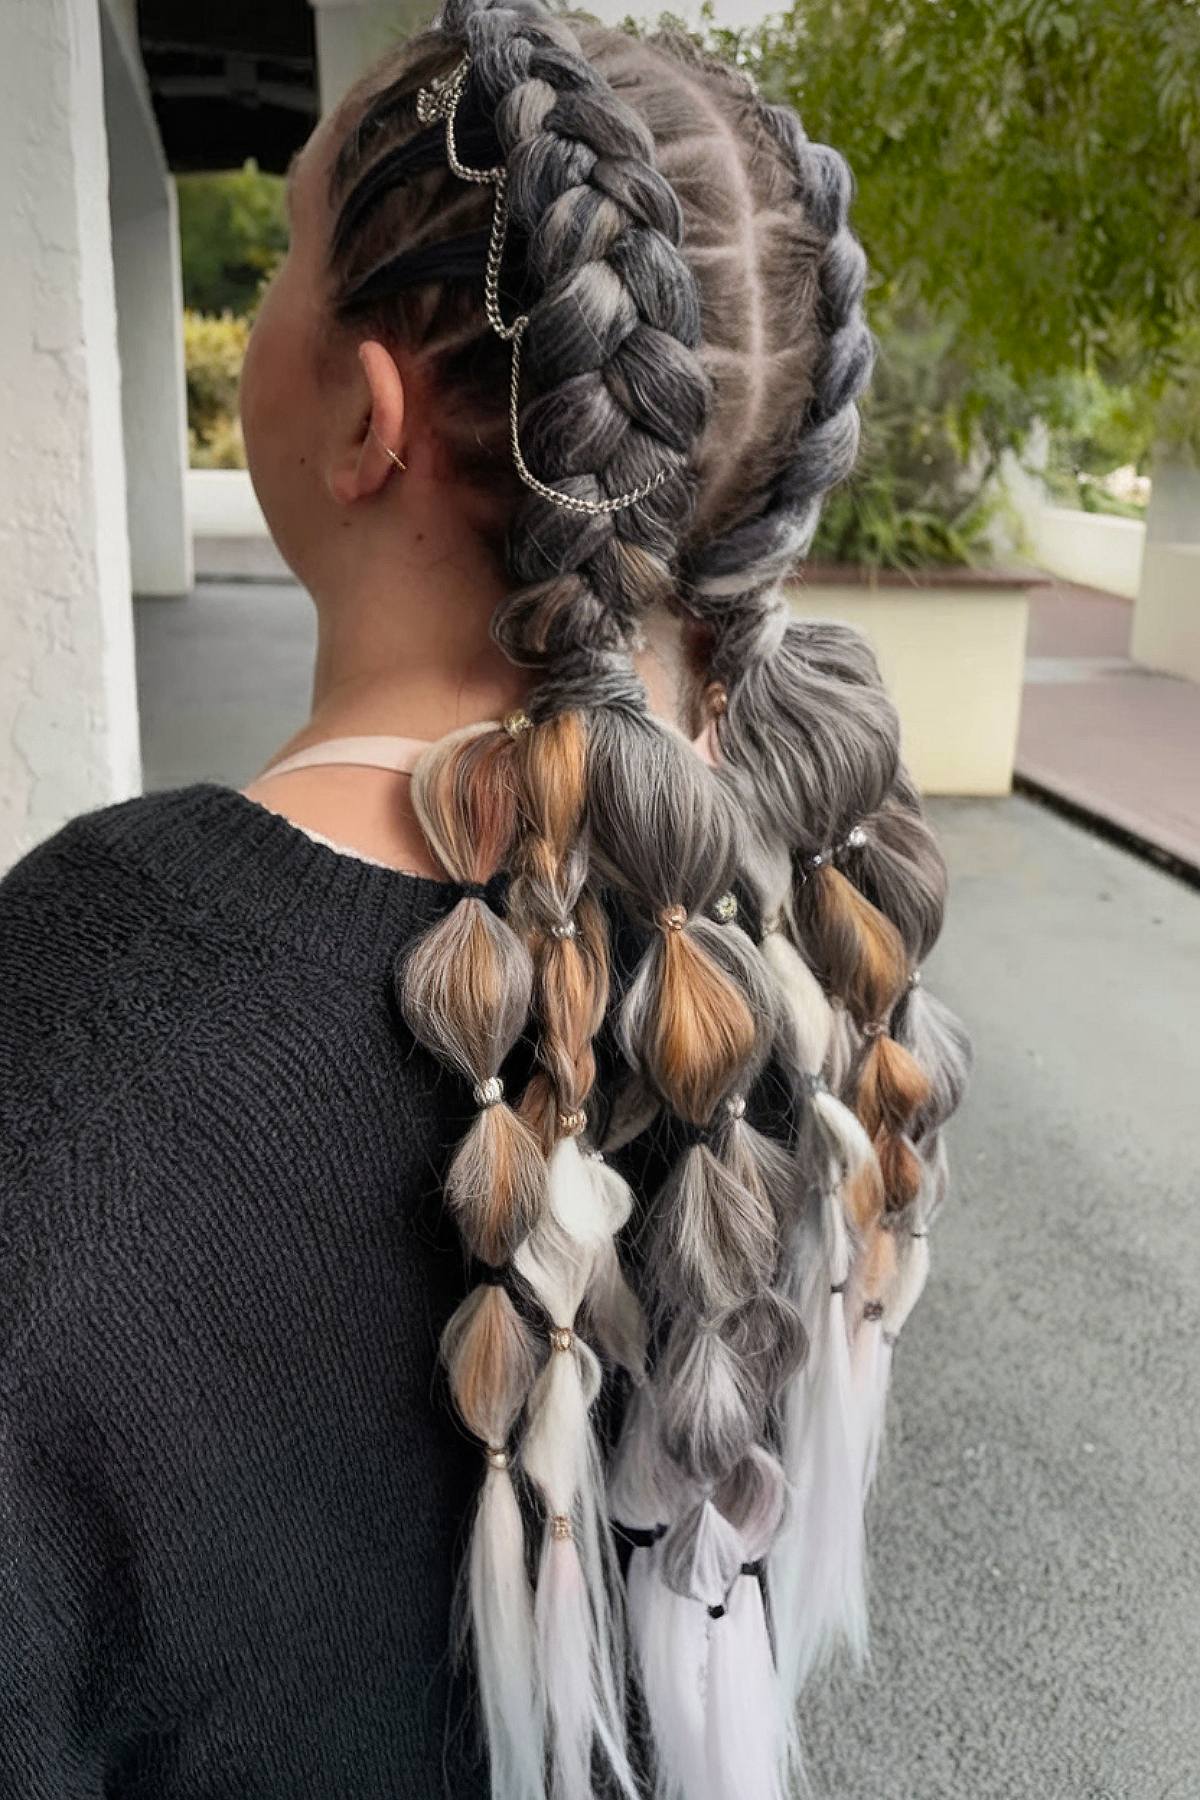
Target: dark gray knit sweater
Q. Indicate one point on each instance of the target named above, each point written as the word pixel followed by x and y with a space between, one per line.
pixel 231 1486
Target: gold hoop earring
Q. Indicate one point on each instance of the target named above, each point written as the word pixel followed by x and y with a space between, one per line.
pixel 386 448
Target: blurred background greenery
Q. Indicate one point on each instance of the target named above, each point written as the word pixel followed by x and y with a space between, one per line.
pixel 1028 192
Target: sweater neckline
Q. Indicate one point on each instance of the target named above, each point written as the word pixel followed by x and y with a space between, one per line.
pixel 235 861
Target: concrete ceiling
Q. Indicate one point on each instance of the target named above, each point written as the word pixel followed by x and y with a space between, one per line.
pixel 230 79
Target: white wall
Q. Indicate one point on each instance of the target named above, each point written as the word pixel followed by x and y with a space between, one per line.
pixel 145 249
pixel 1166 619
pixel 729 14
pixel 352 33
pixel 68 706
pixel 1100 550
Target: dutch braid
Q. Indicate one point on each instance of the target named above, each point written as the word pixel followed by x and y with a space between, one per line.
pixel 631 499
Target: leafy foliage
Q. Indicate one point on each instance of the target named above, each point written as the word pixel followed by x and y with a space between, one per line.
pixel 1032 165
pixel 213 349
pixel 919 494
pixel 233 233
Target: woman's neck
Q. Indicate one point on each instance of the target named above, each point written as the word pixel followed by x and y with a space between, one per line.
pixel 405 649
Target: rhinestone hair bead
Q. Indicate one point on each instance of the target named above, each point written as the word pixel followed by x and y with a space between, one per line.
pixel 856 839
pixel 568 929
pixel 517 722
pixel 914 980
pixel 735 1106
pixel 572 1123
pixel 561 1337
pixel 673 918
pixel 497 1457
pixel 725 908
pixel 488 1093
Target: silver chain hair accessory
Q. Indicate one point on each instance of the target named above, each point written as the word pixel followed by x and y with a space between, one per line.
pixel 440 100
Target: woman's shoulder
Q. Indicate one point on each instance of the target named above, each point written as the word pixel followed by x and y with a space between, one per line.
pixel 79 914
pixel 92 850
pixel 164 932
pixel 73 906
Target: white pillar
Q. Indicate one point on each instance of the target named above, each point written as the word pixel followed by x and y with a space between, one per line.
pixel 145 238
pixel 1166 619
pixel 68 703
pixel 352 33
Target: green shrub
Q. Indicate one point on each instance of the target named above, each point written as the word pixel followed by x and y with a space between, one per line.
pixel 232 235
pixel 213 351
pixel 917 496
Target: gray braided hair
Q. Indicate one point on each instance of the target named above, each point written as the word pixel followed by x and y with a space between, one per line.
pixel 631 492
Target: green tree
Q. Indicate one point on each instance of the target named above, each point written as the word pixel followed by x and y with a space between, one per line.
pixel 233 233
pixel 1029 169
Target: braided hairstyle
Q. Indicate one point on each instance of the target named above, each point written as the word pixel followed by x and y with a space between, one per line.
pixel 656 378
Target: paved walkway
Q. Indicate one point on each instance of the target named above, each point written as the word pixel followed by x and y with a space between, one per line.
pixel 1036 1535
pixel 1037 1539
pixel 1103 734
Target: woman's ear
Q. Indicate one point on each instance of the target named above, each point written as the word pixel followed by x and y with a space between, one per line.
pixel 370 452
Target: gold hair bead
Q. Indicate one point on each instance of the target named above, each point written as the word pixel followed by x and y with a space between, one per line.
pixel 517 722
pixel 496 1455
pixel 560 1527
pixel 572 1123
pixel 673 918
pixel 716 698
pixel 561 1337
pixel 488 1093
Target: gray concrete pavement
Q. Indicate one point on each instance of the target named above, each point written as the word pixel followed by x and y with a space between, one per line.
pixel 1102 733
pixel 1036 1546
pixel 223 679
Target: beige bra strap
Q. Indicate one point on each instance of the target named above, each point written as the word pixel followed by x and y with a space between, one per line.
pixel 397 753
pixel 400 754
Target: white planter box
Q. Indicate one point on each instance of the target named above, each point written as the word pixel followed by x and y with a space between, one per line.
pixel 953 656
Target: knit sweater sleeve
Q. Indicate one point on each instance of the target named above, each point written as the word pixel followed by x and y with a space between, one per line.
pixel 61 1582
pixel 49 1569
